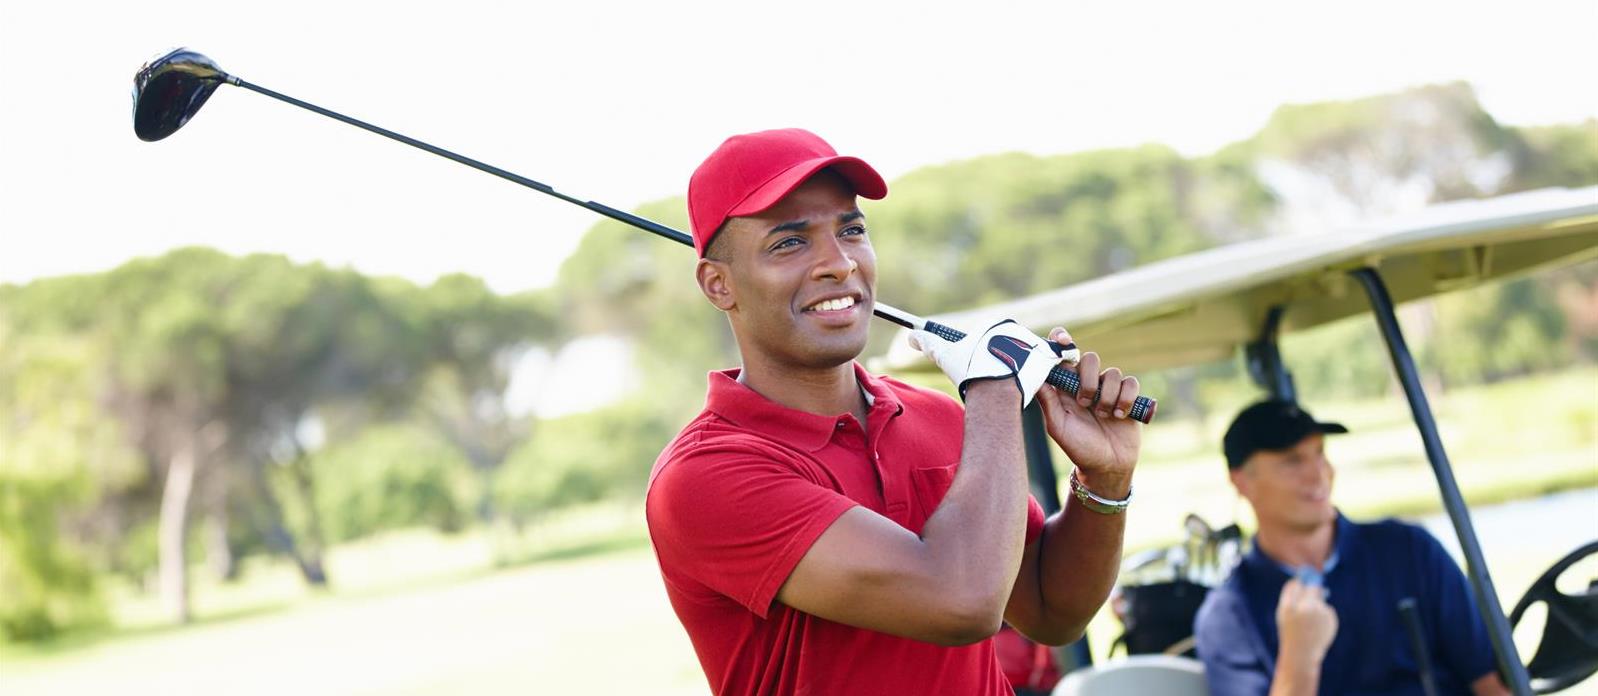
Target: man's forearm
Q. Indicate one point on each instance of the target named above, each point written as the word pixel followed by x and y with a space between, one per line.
pixel 1080 557
pixel 979 530
pixel 1295 677
pixel 1489 684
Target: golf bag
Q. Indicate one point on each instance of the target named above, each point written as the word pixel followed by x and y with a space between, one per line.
pixel 1161 590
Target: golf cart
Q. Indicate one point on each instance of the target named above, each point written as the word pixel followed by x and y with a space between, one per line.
pixel 1205 306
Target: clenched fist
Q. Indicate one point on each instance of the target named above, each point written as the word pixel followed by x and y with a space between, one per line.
pixel 1305 623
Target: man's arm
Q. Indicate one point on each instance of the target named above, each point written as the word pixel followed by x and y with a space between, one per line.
pixel 1067 574
pixel 1230 646
pixel 1490 684
pixel 1079 554
pixel 1306 625
pixel 949 585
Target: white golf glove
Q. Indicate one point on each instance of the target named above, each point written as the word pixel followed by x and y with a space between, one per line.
pixel 1006 349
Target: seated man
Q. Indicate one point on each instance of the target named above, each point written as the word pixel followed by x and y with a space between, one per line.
pixel 1313 607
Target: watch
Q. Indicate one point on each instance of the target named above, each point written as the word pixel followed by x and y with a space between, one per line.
pixel 1092 501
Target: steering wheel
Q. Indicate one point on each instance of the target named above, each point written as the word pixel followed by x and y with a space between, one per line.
pixel 1568 651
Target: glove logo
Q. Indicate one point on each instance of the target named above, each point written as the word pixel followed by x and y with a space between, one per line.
pixel 1012 352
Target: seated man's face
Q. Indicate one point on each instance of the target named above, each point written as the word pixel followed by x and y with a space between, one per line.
pixel 1290 487
pixel 797 280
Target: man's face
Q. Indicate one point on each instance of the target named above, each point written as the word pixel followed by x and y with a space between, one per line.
pixel 1290 487
pixel 797 280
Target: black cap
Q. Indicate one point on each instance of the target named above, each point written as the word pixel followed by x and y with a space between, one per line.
pixel 1270 425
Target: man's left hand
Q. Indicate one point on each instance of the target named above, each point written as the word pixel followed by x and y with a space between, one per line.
pixel 1096 434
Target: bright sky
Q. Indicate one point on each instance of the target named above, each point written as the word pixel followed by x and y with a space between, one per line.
pixel 617 101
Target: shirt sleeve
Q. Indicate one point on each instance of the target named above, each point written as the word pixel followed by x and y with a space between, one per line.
pixel 737 521
pixel 1463 647
pixel 1226 644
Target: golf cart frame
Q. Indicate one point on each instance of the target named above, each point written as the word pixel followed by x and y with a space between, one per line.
pixel 1205 306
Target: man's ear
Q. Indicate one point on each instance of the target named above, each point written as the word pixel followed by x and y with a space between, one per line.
pixel 715 283
pixel 1241 481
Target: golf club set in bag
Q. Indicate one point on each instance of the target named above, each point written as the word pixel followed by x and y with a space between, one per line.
pixel 170 89
pixel 1160 590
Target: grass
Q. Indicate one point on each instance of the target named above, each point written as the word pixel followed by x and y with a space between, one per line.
pixel 577 605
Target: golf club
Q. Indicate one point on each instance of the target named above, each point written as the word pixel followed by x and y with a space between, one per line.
pixel 169 90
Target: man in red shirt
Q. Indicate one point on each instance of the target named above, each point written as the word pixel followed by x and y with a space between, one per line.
pixel 822 530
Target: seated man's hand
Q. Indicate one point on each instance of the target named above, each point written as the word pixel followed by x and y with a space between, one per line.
pixel 1305 623
pixel 1006 350
pixel 1092 428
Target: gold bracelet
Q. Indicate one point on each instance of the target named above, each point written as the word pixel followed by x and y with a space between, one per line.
pixel 1091 501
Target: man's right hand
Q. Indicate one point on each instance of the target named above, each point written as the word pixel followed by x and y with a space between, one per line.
pixel 1005 350
pixel 1305 624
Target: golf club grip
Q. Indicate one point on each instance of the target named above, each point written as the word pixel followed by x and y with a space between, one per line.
pixel 1061 376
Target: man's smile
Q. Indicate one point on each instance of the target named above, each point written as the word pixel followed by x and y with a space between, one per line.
pixel 835 303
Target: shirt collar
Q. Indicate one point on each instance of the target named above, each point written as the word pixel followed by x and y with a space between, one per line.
pixel 1342 542
pixel 736 402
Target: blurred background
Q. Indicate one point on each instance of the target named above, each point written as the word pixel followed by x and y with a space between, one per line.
pixel 287 408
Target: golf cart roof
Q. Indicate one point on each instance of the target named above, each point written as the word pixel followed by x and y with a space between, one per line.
pixel 1200 307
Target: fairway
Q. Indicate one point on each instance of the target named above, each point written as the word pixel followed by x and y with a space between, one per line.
pixel 599 625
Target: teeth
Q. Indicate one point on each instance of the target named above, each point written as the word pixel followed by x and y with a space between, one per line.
pixel 833 305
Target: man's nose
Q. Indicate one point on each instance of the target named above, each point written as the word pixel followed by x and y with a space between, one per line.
pixel 836 261
pixel 1322 469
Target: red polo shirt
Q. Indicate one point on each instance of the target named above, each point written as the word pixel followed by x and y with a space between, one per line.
pixel 738 498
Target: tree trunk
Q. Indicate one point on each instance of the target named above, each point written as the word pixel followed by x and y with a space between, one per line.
pixel 219 555
pixel 220 558
pixel 278 535
pixel 487 513
pixel 173 530
pixel 315 540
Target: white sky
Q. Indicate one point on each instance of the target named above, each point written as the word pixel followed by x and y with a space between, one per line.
pixel 617 102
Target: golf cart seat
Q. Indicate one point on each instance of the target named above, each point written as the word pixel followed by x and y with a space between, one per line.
pixel 1145 675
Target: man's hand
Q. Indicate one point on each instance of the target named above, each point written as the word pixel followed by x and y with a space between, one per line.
pixel 1305 623
pixel 1096 433
pixel 1005 350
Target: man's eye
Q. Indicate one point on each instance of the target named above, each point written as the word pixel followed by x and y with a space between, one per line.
pixel 787 242
pixel 853 230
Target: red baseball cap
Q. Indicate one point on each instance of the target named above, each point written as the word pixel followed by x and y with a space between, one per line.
pixel 751 172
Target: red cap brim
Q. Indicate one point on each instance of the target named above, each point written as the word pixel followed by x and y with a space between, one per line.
pixel 865 181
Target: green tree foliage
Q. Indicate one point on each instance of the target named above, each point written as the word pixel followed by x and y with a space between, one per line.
pixel 478 338
pixel 1562 155
pixel 57 456
pixel 635 285
pixel 994 228
pixel 1506 331
pixel 1381 154
pixel 212 367
pixel 388 477
pixel 597 454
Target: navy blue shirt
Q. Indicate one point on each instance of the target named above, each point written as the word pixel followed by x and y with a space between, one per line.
pixel 1378 564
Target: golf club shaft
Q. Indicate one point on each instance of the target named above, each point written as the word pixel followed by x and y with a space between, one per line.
pixel 1061 377
pixel 602 209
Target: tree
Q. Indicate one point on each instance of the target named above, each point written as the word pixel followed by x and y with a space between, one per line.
pixel 57 456
pixel 478 339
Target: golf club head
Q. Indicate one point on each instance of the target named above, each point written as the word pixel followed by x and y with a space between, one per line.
pixel 168 91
